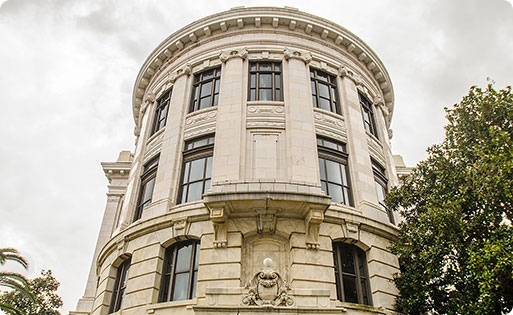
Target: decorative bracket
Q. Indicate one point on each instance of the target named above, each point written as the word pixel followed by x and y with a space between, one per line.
pixel 180 228
pixel 344 71
pixel 185 70
pixel 266 223
pixel 313 222
pixel 226 55
pixel 219 218
pixel 306 57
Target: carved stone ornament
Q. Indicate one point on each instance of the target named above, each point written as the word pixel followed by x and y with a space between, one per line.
pixel 267 288
pixel 344 71
pixel 241 53
pixel 185 70
pixel 219 218
pixel 306 57
pixel 313 222
pixel 150 98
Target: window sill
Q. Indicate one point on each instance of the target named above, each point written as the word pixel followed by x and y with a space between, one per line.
pixel 374 138
pixel 201 111
pixel 172 304
pixel 156 135
pixel 329 113
pixel 252 103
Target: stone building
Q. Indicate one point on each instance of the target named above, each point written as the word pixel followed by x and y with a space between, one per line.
pixel 261 162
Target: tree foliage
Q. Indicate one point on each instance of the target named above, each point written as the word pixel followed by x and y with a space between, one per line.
pixel 12 280
pixel 45 302
pixel 455 245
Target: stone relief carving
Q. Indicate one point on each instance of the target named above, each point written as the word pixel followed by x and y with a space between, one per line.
pixel 226 55
pixel 267 288
pixel 200 123
pixel 266 116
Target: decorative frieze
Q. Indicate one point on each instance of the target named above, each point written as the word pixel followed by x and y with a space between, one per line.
pixel 265 115
pixel 329 124
pixel 199 123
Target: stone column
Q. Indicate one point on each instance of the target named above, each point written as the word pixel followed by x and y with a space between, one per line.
pixel 229 128
pixel 302 153
pixel 362 180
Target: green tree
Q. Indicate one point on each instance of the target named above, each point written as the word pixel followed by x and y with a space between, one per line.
pixel 45 302
pixel 455 245
pixel 12 280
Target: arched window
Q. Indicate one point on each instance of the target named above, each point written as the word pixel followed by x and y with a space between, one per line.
pixel 119 286
pixel 351 274
pixel 180 271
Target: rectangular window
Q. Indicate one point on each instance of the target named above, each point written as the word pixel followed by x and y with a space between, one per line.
pixel 351 275
pixel 368 115
pixel 159 120
pixel 265 81
pixel 197 169
pixel 205 90
pixel 324 91
pixel 147 185
pixel 334 170
pixel 119 286
pixel 381 183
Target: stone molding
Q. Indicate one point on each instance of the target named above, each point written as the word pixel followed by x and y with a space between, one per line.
pixel 330 125
pixel 243 19
pixel 200 123
pixel 265 115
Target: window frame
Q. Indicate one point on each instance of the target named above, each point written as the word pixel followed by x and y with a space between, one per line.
pixel 162 105
pixel 118 293
pixel 339 156
pixel 150 169
pixel 332 89
pixel 368 109
pixel 198 82
pixel 357 255
pixel 193 154
pixel 380 179
pixel 167 285
pixel 274 84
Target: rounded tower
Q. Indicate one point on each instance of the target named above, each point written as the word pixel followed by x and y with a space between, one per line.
pixel 257 183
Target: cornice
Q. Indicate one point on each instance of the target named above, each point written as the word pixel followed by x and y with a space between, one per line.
pixel 263 19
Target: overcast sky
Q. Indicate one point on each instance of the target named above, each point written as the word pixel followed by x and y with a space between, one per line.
pixel 67 68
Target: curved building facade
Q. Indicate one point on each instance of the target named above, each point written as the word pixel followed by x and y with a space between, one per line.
pixel 262 159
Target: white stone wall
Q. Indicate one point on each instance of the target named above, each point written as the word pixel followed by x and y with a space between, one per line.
pixel 265 198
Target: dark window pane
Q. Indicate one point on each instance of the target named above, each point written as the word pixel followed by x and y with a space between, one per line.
pixel 205 102
pixel 196 257
pixel 200 142
pixel 208 171
pixel 184 194
pixel 344 174
pixel 350 289
pixel 195 191
pixel 265 95
pixel 148 190
pixel 186 172
pixel 322 76
pixel 335 192
pixel 252 95
pixel 365 296
pixel 333 172
pixel 314 100
pixel 194 280
pixel 216 86
pixel 277 81
pixel 252 67
pixel 324 104
pixel 216 100
pixel 207 186
pixel 347 199
pixel 346 255
pixel 265 67
pixel 183 258
pixel 323 187
pixel 277 67
pixel 321 169
pixel 180 286
pixel 197 168
pixel 324 91
pixel 314 91
pixel 252 81
pixel 278 95
pixel 208 75
pixel 206 89
pixel 265 81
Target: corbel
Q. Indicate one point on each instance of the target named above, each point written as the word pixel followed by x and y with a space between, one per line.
pixel 219 218
pixel 181 228
pixel 185 70
pixel 351 230
pixel 150 98
pixel 266 223
pixel 313 221
pixel 306 57
pixel 226 55
pixel 122 245
pixel 345 72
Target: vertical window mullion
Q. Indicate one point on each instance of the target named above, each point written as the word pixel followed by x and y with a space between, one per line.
pixel 358 278
pixel 340 275
pixel 191 271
